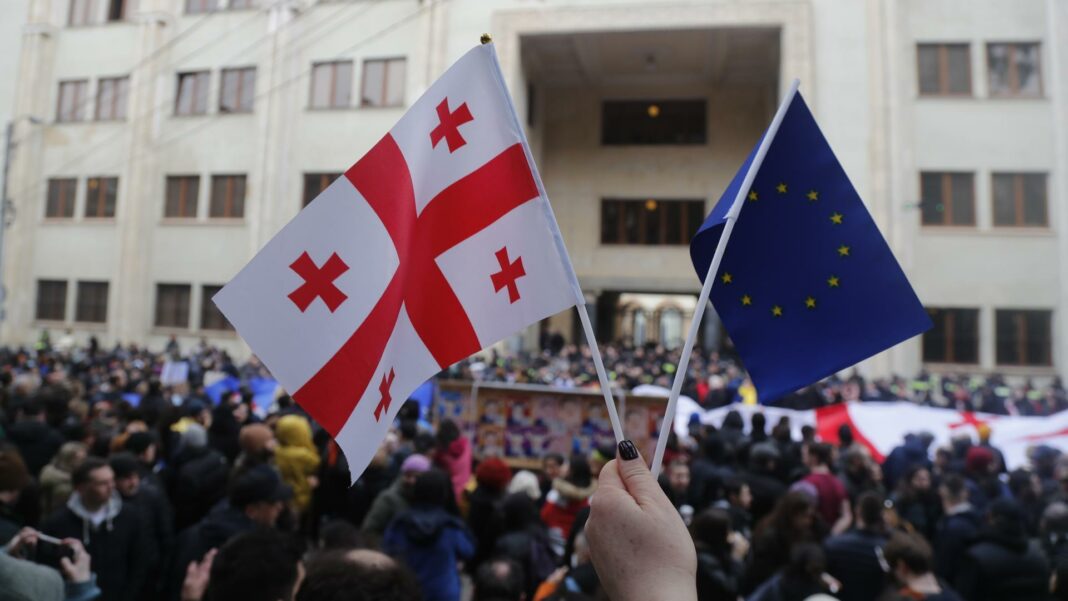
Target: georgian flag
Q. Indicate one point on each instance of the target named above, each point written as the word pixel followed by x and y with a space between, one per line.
pixel 437 243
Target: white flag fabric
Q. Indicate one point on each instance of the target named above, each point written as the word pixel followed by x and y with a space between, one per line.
pixel 437 243
pixel 882 426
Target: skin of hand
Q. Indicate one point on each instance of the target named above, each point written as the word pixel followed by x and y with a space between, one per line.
pixel 197 576
pixel 27 537
pixel 76 570
pixel 639 545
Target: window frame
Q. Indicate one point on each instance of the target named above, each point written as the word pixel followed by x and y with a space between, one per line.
pixel 949 346
pixel 230 197
pixel 77 114
pixel 86 16
pixel 121 82
pixel 1014 77
pixel 196 76
pixel 384 91
pixel 183 196
pixel 209 312
pixel 157 313
pixel 62 305
pixel 239 73
pixel 333 65
pixel 325 179
pixel 947 199
pixel 101 200
pixel 1022 342
pixel 63 182
pixel 685 205
pixel 943 70
pixel 123 7
pixel 1018 199
pixel 79 314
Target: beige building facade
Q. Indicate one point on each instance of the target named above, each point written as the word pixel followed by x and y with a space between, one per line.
pixel 173 138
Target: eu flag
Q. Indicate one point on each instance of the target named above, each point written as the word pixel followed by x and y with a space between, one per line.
pixel 807 285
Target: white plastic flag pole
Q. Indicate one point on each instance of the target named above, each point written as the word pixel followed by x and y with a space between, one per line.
pixel 713 268
pixel 558 239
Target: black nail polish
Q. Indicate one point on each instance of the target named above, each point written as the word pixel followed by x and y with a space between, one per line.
pixel 627 450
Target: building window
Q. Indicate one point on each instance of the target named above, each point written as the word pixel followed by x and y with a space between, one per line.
pixel 60 201
pixel 100 195
pixel 944 69
pixel 111 96
pixel 182 194
pixel 650 221
pixel 227 196
pixel 947 198
pixel 71 103
pixel 192 93
pixel 91 305
pixel 954 337
pixel 315 183
pixel 238 90
pixel 653 122
pixel 116 10
pixel 383 82
pixel 211 318
pixel 1014 69
pixel 1020 200
pixel 1024 337
pixel 331 85
pixel 81 12
pixel 51 300
pixel 172 305
pixel 195 7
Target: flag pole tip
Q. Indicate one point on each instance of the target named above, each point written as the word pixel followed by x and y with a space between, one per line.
pixel 486 38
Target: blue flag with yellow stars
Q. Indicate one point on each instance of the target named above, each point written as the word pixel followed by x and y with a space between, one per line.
pixel 807 285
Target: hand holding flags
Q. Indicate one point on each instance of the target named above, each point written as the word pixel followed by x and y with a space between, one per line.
pixel 807 285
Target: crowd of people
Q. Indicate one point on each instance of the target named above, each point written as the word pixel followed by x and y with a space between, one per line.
pixel 179 497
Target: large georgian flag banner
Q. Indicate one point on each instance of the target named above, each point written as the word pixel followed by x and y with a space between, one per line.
pixel 437 243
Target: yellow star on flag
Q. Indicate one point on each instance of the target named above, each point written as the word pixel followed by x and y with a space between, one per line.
pixel 810 303
pixel 747 300
pixel 753 195
pixel 832 281
pixel 813 195
pixel 776 311
pixel 836 218
pixel 781 188
pixel 843 250
pixel 727 278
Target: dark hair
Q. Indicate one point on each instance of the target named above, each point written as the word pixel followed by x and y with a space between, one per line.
pixel 334 577
pixel 758 422
pixel 499 579
pixel 845 435
pixel 557 457
pixel 954 485
pixel 518 512
pixel 448 431
pixel 911 549
pixel 869 508
pixel 138 442
pixel 81 474
pixel 578 471
pixel 1007 518
pixel 260 565
pixel 32 408
pixel 13 473
pixel 781 518
pixel 124 464
pixel 733 486
pixel 821 452
pixel 709 531
pixel 432 488
pixel 807 562
pixel 341 534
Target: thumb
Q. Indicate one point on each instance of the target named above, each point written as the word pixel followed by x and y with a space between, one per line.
pixel 636 476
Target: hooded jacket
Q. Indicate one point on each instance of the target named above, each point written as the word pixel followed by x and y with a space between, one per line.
pixel 118 545
pixel 36 441
pixel 431 541
pixel 387 505
pixel 563 503
pixel 296 457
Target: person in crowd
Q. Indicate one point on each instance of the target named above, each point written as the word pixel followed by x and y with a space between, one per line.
pixel 525 540
pixel 258 444
pixel 676 482
pixel 156 515
pixel 1026 489
pixel 552 467
pixel 499 579
pixel 793 521
pixel 358 575
pixel 525 481
pixel 36 441
pixel 111 531
pixel 981 475
pixel 916 502
pixel 910 561
pixel 145 447
pixel 395 500
pixel 762 478
pixel 23 580
pixel 55 484
pixel 709 470
pixel 484 516
pixel 568 496
pixel 14 478
pixel 297 458
pixel 853 556
pixel 858 471
pixel 957 529
pixel 804 577
pixel 453 454
pixel 1053 531
pixel 912 451
pixel 1003 563
pixel 431 540
pixel 736 501
pixel 720 552
pixel 260 565
pixel 831 494
pixel 198 476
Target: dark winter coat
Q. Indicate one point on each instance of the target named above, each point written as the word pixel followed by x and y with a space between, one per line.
pixel 852 558
pixel 36 442
pixel 955 533
pixel 1000 568
pixel 431 542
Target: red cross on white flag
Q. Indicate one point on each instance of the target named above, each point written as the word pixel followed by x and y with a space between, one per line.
pixel 434 245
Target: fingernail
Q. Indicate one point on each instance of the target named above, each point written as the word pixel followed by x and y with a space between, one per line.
pixel 627 450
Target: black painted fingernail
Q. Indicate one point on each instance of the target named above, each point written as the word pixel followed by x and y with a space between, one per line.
pixel 627 450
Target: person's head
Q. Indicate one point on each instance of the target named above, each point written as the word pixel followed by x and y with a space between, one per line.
pixel 448 432
pixel 807 563
pixel 738 493
pixel 411 467
pixel 127 473
pixel 70 456
pixel 341 534
pixel 493 474
pixel 918 479
pixel 763 457
pixel 500 579
pixel 94 481
pixel 1054 522
pixel 578 471
pixel 552 465
pixel 525 482
pixel 1006 519
pixel 978 462
pixel 143 445
pixel 432 489
pixel 261 565
pixel 908 556
pixel 679 476
pixel 818 454
pixel 257 441
pixel 845 436
pixel 361 575
pixel 953 491
pixel 30 411
pixel 518 512
pixel 259 493
pixel 794 514
pixel 14 477
pixel 758 424
pixel 710 530
pixel 868 512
